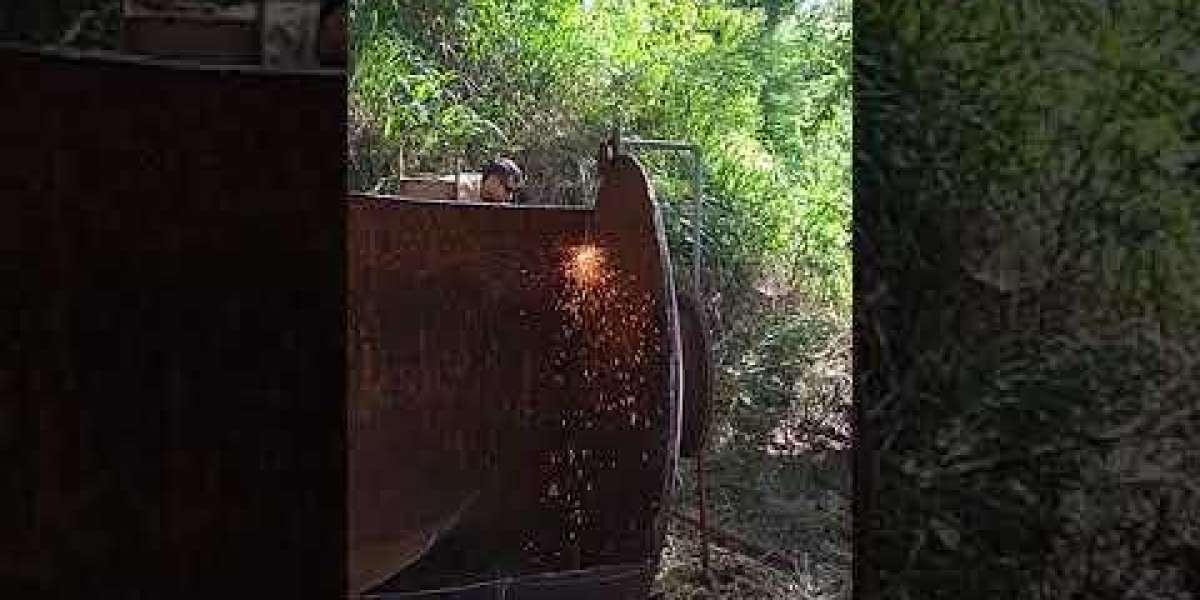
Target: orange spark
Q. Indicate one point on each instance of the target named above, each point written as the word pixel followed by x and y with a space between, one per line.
pixel 586 265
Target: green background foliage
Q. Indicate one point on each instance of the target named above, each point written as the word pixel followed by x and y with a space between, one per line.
pixel 1033 213
pixel 766 99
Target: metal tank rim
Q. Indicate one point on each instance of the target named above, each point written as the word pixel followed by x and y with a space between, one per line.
pixel 116 58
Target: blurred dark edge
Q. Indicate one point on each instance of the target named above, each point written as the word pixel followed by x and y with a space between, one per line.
pixel 172 251
pixel 941 354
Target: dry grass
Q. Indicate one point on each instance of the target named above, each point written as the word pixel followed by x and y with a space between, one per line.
pixel 738 575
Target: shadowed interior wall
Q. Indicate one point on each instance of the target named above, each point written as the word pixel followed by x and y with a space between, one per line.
pixel 173 246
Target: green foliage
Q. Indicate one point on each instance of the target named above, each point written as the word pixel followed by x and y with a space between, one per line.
pixel 1026 165
pixel 543 82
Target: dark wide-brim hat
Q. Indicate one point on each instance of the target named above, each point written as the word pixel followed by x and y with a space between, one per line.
pixel 506 168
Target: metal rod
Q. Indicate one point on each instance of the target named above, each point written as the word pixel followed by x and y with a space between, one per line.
pixel 698 190
pixel 703 497
pixel 666 144
pixel 697 291
pixel 698 186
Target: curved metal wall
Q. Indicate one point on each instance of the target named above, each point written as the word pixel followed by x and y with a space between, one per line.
pixel 514 385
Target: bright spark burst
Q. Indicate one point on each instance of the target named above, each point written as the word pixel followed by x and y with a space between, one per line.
pixel 608 342
pixel 586 265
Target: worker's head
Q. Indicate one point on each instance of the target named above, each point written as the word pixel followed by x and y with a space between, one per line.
pixel 501 180
pixel 331 34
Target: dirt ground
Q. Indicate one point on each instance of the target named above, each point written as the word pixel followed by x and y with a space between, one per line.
pixel 818 565
pixel 737 575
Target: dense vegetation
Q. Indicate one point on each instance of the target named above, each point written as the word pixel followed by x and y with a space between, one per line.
pixel 1029 334
pixel 763 88
pixel 763 92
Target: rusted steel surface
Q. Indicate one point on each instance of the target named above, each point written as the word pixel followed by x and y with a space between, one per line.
pixel 172 248
pixel 514 386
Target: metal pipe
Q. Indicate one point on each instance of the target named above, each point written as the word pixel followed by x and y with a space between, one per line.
pixel 697 187
pixel 666 144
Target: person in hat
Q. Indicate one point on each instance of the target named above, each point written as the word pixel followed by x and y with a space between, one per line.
pixel 502 180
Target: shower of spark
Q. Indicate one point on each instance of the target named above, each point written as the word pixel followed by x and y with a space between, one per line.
pixel 586 265
pixel 606 348
pixel 606 315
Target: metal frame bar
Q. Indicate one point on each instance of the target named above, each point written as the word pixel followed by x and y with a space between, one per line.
pixel 697 188
pixel 619 143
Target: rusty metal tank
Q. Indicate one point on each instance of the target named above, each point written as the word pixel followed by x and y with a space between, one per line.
pixel 515 373
pixel 516 381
